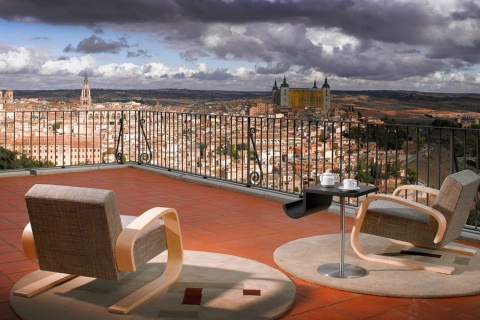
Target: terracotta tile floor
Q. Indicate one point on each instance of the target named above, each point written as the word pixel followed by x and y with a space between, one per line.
pixel 221 221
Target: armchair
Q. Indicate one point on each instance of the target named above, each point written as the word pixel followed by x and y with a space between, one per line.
pixel 410 223
pixel 77 231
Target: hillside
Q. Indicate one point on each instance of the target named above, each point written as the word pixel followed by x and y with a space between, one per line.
pixel 380 100
pixel 408 100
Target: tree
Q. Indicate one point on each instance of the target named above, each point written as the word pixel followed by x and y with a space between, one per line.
pixel 411 175
pixel 55 126
pixel 14 160
pixel 242 146
pixel 7 158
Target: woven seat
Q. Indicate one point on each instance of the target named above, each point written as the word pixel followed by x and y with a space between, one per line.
pixel 79 232
pixel 411 223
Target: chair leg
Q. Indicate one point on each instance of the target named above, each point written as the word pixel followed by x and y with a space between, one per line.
pixel 138 297
pixel 43 284
pixel 447 248
pixel 169 276
pixel 362 253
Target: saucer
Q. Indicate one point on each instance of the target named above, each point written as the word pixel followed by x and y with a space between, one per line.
pixel 352 189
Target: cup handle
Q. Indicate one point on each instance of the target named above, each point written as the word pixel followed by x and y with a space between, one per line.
pixel 354 183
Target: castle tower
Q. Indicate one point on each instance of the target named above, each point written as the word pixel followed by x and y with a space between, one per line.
pixel 85 98
pixel 284 88
pixel 275 96
pixel 315 84
pixel 326 94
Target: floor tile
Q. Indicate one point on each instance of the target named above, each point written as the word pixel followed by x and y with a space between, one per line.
pixel 236 223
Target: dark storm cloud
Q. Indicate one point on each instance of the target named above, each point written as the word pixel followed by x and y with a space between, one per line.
pixel 470 10
pixel 390 21
pixel 388 39
pixel 94 44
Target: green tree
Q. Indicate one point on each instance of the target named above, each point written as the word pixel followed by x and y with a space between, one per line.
pixel 55 126
pixel 7 159
pixel 242 146
pixel 14 160
pixel 411 175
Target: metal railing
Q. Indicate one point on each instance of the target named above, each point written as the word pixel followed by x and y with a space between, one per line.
pixel 279 154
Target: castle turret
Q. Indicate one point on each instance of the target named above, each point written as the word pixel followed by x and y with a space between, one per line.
pixel 284 90
pixel 326 94
pixel 275 87
pixel 275 96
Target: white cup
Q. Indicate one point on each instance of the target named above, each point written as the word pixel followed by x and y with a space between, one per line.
pixel 349 183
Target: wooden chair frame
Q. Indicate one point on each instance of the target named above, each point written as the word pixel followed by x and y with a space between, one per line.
pixel 438 216
pixel 125 259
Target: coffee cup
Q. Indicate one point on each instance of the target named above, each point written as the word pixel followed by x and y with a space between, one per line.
pixel 349 183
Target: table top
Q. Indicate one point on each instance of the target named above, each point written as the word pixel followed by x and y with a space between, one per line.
pixel 336 191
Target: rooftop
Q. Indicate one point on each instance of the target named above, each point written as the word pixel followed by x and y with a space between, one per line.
pixel 215 220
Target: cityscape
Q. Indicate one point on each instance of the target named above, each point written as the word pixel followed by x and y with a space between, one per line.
pixel 283 141
pixel 256 151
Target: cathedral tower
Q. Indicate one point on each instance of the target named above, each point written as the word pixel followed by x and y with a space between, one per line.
pixel 275 94
pixel 85 98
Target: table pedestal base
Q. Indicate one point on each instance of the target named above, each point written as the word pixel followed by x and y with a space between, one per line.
pixel 349 271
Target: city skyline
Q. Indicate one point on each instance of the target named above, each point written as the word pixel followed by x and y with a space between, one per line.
pixel 241 45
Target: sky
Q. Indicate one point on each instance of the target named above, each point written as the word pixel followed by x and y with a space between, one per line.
pixel 244 45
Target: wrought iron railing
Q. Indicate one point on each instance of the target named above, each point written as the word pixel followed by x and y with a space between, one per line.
pixel 279 154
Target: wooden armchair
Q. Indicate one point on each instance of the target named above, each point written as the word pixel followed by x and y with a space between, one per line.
pixel 411 223
pixel 79 232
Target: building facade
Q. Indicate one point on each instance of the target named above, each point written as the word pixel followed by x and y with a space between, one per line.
pixel 7 97
pixel 301 97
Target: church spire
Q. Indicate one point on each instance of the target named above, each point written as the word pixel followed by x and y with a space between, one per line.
pixel 85 97
pixel 315 84
pixel 275 87
pixel 284 84
pixel 326 85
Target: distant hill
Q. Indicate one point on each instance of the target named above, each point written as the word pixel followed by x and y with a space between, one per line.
pixel 377 99
pixel 405 100
pixel 148 96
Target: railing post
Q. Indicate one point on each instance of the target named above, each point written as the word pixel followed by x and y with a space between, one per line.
pixel 143 157
pixel 119 152
pixel 453 158
pixel 249 181
pixel 137 115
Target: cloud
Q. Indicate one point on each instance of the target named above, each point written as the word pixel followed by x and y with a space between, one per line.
pixel 70 66
pixel 94 44
pixel 193 55
pixel 138 53
pixel 470 10
pixel 20 60
pixel 218 75
pixel 28 68
pixel 369 40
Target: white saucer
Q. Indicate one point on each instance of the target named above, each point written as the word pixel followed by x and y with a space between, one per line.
pixel 352 189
